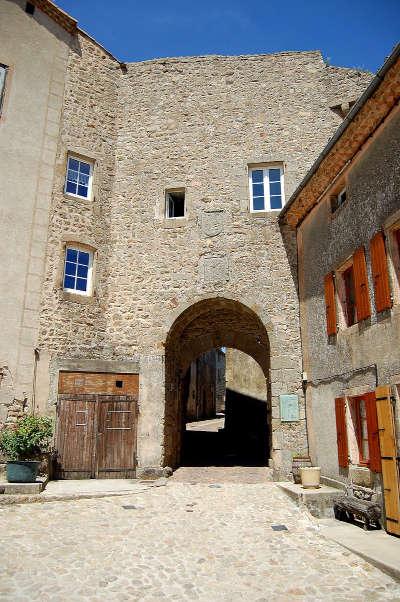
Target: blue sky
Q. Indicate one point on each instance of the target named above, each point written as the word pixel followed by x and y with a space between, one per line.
pixel 353 33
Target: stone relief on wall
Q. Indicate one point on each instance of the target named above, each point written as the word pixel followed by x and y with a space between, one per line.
pixel 214 269
pixel 212 222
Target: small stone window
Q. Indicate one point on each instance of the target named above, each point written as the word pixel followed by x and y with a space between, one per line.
pixel 78 270
pixel 175 203
pixel 3 76
pixel 337 200
pixel 266 188
pixel 78 180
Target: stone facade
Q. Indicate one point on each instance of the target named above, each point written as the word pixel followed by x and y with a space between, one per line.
pixel 166 291
pixel 358 358
pixel 30 122
pixel 364 355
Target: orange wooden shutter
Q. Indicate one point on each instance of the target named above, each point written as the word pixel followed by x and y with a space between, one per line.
pixel 390 471
pixel 329 286
pixel 373 433
pixel 341 432
pixel 380 273
pixel 363 307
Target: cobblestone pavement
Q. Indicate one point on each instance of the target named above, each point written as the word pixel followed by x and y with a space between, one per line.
pixel 222 474
pixel 206 542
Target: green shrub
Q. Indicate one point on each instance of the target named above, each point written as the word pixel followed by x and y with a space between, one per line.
pixel 29 439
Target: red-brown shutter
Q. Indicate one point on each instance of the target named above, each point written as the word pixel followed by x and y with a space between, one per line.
pixel 330 305
pixel 373 433
pixel 341 431
pixel 363 307
pixel 380 273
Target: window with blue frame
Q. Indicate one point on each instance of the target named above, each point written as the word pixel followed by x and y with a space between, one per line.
pixel 78 271
pixel 266 189
pixel 79 178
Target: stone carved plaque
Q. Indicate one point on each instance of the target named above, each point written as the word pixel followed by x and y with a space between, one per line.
pixel 215 269
pixel 212 222
pixel 289 408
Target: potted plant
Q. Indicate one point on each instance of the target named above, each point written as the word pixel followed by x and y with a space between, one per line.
pixel 299 460
pixel 23 446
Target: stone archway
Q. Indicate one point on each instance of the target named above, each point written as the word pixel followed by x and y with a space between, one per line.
pixel 209 323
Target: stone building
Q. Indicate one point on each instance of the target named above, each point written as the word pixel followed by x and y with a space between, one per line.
pixel 206 386
pixel 346 213
pixel 163 241
pixel 31 100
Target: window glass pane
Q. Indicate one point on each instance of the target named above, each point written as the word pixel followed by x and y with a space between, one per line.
pixel 257 175
pixel 72 255
pixel 82 191
pixel 70 187
pixel 83 179
pixel 82 271
pixel 274 175
pixel 276 202
pixel 81 284
pixel 69 282
pixel 83 258
pixel 70 268
pixel 258 189
pixel 258 203
pixel 73 164
pixel 275 188
pixel 72 175
pixel 84 168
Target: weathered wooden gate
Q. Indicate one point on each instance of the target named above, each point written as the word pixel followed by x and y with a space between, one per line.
pixel 96 432
pixel 390 468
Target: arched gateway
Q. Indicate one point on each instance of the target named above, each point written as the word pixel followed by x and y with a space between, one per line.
pixel 209 323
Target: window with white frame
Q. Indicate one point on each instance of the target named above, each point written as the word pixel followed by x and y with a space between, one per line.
pixel 78 270
pixel 266 188
pixel 78 181
pixel 3 75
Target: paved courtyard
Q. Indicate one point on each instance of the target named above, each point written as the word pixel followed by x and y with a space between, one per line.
pixel 181 541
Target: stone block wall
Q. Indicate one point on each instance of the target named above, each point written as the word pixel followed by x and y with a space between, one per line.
pixel 196 123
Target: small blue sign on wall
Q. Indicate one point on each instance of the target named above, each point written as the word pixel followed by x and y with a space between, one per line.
pixel 289 408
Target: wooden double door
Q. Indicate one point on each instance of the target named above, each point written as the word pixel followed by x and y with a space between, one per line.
pixel 96 425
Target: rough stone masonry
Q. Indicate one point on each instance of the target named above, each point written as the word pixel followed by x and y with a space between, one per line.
pixel 221 275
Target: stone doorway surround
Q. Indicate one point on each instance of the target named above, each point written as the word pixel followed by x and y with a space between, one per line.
pixel 221 321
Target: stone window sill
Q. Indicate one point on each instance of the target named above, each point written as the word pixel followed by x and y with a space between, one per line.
pixel 79 199
pixel 174 222
pixel 273 213
pixel 82 299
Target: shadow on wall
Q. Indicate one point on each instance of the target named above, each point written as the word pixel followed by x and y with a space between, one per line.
pixel 244 440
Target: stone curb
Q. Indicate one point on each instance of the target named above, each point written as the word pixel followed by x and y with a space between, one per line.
pixel 8 500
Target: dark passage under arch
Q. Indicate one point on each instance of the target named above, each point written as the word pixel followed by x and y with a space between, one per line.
pixel 208 324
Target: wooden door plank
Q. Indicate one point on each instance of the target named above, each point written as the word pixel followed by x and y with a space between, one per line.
pixel 390 470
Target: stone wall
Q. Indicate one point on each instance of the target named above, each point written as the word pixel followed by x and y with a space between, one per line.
pixel 244 375
pixel 35 49
pixel 73 326
pixel 364 355
pixel 195 123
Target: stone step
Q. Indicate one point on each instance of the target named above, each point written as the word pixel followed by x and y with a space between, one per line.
pixel 319 502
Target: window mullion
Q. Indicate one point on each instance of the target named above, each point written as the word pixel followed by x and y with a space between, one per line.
pixel 267 200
